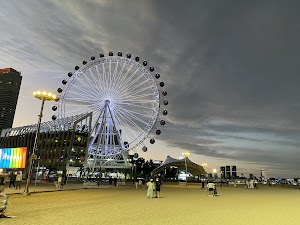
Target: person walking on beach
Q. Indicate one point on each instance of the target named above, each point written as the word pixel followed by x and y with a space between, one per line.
pixel 110 180
pixel 202 185
pixel 12 180
pixel 59 180
pixel 210 187
pixel 157 187
pixel 151 188
pixel 18 180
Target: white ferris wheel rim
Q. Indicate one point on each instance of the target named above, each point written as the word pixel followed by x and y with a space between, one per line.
pixel 110 85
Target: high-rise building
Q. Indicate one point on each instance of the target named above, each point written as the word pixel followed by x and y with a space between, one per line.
pixel 228 172
pixel 10 82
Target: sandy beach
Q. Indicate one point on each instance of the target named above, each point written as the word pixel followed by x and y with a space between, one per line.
pixel 178 205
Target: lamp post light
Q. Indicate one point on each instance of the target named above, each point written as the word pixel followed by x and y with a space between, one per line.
pixel 185 154
pixel 215 173
pixel 43 96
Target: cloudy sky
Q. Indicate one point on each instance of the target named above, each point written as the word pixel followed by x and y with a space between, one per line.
pixel 231 69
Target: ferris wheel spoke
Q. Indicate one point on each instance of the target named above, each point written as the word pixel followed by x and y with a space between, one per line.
pixel 100 78
pixel 131 97
pixel 105 84
pixel 135 87
pixel 125 81
pixel 80 98
pixel 123 78
pixel 109 76
pixel 138 101
pixel 124 133
pixel 88 84
pixel 84 90
pixel 99 87
pixel 73 104
pixel 132 122
pixel 91 85
pixel 82 95
pixel 125 86
pixel 128 127
pixel 135 93
pixel 139 106
pixel 118 76
pixel 130 113
pixel 114 76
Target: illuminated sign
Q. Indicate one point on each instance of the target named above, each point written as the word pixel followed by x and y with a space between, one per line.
pixel 13 157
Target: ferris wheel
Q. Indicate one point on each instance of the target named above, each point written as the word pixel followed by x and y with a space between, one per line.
pixel 124 97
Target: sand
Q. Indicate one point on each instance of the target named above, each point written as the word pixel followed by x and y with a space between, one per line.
pixel 178 205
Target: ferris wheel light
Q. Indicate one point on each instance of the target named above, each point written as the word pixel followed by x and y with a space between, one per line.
pixel 38 92
pixel 44 93
pixel 49 94
pixel 34 93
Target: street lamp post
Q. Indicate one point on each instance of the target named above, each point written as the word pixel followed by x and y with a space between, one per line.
pixel 185 154
pixel 43 96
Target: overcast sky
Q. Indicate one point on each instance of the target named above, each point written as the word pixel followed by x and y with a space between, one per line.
pixel 231 69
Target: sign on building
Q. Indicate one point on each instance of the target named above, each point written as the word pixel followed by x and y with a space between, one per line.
pixel 13 157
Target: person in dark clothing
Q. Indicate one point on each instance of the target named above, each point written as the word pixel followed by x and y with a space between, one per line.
pixel 12 179
pixel 202 185
pixel 110 180
pixel 115 181
pixel 157 186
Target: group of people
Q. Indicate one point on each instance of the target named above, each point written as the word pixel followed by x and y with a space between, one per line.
pixel 117 181
pixel 153 185
pixel 250 183
pixel 15 179
pixel 210 187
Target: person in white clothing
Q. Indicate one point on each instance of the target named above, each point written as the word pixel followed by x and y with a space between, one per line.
pixel 18 180
pixel 210 186
pixel 151 188
pixel 59 180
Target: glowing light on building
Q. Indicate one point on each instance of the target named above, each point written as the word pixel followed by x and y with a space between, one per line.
pixel 13 157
